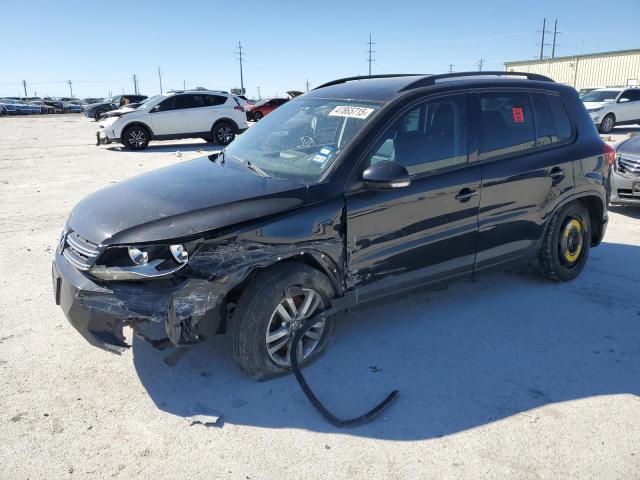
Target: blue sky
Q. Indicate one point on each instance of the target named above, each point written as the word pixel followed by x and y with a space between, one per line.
pixel 100 45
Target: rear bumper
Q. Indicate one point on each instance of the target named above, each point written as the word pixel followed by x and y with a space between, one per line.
pixel 622 190
pixel 99 313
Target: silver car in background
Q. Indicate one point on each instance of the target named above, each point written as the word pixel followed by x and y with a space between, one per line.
pixel 625 176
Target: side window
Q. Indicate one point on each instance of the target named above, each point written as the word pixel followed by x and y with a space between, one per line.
pixel 632 95
pixel 213 100
pixel 545 124
pixel 193 101
pixel 560 116
pixel 180 102
pixel 166 105
pixel 507 123
pixel 430 137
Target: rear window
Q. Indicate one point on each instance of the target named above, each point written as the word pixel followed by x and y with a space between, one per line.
pixel 507 121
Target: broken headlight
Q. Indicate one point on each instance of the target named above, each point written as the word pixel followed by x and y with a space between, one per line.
pixel 140 262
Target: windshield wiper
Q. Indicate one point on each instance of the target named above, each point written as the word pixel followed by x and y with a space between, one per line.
pixel 252 167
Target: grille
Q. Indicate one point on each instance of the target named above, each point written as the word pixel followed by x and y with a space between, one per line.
pixel 629 164
pixel 81 253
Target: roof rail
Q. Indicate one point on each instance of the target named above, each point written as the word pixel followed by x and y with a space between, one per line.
pixel 431 79
pixel 365 77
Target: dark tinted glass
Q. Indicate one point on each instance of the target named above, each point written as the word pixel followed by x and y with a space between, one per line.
pixel 563 124
pixel 507 123
pixel 193 101
pixel 545 124
pixel 432 136
pixel 213 100
pixel 181 102
pixel 166 105
pixel 633 95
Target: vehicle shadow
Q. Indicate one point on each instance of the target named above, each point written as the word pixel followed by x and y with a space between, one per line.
pixel 169 147
pixel 627 211
pixel 477 352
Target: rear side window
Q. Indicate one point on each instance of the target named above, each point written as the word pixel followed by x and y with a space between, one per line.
pixel 507 121
pixel 213 100
pixel 193 101
pixel 560 116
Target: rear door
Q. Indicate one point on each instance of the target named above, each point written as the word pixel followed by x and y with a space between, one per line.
pixel 169 118
pixel 525 170
pixel 428 230
pixel 204 110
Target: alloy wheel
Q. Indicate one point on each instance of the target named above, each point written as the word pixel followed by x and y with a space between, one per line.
pixel 137 138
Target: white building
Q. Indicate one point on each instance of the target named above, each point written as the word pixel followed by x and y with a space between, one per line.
pixel 617 68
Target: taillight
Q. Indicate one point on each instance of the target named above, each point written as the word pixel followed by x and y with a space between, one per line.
pixel 609 154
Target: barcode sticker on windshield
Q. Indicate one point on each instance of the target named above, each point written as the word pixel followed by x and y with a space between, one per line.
pixel 351 112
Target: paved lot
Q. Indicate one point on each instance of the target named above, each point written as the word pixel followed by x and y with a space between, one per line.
pixel 507 376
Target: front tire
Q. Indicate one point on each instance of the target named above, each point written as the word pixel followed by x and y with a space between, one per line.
pixel 269 312
pixel 135 137
pixel 97 115
pixel 566 243
pixel 607 123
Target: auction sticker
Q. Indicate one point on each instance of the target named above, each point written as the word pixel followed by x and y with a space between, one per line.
pixel 351 112
pixel 323 155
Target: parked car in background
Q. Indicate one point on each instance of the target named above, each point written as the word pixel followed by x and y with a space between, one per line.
pixel 361 189
pixel 625 179
pixel 609 107
pixel 8 106
pixel 55 105
pixel 584 91
pixel 72 107
pixel 212 115
pixel 44 108
pixel 95 110
pixel 263 108
pixel 92 100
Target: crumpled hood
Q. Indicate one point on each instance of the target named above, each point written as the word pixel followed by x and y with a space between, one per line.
pixel 181 200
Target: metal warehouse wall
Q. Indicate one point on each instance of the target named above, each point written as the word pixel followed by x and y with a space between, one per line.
pixel 593 70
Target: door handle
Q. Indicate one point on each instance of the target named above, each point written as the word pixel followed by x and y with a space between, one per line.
pixel 465 194
pixel 556 172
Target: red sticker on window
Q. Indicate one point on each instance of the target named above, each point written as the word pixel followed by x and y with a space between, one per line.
pixel 518 114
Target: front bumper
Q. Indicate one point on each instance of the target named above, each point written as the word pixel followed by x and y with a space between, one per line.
pixel 623 191
pixel 99 313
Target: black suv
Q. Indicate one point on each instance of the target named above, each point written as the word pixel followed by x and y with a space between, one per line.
pixel 96 110
pixel 360 189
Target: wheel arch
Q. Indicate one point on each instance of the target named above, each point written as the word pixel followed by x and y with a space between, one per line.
pixel 595 206
pixel 225 120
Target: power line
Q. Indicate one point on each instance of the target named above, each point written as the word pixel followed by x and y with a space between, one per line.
pixel 239 52
pixel 480 64
pixel 371 52
pixel 160 77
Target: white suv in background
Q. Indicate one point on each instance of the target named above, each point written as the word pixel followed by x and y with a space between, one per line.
pixel 610 106
pixel 212 115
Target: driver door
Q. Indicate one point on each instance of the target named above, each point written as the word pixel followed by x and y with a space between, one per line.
pixel 170 118
pixel 427 231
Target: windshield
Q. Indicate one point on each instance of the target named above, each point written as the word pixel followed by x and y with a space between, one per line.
pixel 301 139
pixel 601 96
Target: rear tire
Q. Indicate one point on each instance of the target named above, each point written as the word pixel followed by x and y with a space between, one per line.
pixel 607 123
pixel 257 116
pixel 135 137
pixel 223 133
pixel 258 327
pixel 96 115
pixel 566 243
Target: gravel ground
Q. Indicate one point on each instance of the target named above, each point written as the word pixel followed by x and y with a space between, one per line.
pixel 506 376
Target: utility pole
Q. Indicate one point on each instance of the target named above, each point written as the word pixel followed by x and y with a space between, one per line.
pixel 543 32
pixel 371 52
pixel 259 97
pixel 135 84
pixel 555 32
pixel 70 88
pixel 239 52
pixel 451 65
pixel 307 84
pixel 184 85
pixel 480 63
pixel 24 84
pixel 160 77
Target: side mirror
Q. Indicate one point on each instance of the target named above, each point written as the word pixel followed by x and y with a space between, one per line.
pixel 155 109
pixel 623 100
pixel 386 175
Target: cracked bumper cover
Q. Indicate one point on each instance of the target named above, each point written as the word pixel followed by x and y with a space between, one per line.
pixel 99 313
